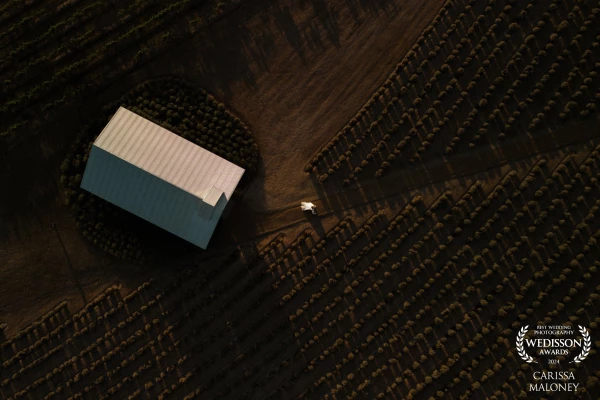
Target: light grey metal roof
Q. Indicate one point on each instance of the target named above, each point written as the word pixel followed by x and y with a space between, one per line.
pixel 160 177
pixel 213 196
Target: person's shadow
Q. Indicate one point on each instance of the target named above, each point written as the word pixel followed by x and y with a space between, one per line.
pixel 315 222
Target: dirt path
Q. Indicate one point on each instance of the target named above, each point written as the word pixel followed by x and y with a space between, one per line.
pixel 336 199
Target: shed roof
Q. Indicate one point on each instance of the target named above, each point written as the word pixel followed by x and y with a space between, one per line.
pixel 160 177
pixel 166 155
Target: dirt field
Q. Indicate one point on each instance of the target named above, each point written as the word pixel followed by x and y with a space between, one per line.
pixel 294 71
pixel 409 286
pixel 213 349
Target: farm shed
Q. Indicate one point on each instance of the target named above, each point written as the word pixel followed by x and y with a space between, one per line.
pixel 160 177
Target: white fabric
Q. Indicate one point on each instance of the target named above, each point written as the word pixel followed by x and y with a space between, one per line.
pixel 307 206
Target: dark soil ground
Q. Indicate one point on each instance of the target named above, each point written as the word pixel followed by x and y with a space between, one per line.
pixel 294 71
